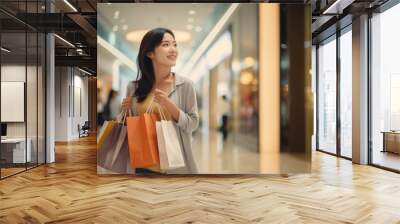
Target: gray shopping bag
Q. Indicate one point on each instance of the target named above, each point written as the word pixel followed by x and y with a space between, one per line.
pixel 113 155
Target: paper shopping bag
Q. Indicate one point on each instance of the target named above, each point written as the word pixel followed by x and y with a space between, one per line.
pixel 113 155
pixel 170 151
pixel 142 140
pixel 172 145
pixel 162 152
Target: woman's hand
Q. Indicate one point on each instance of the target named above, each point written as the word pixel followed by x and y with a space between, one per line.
pixel 127 103
pixel 162 98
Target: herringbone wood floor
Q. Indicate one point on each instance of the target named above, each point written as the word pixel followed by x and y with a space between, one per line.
pixel 70 191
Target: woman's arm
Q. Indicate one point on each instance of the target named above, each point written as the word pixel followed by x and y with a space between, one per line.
pixel 189 119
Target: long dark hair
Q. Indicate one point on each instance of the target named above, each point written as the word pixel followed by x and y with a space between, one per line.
pixel 145 76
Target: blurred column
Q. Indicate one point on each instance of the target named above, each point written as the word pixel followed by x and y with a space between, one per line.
pixel 269 62
pixel 92 85
pixel 213 121
pixel 116 75
pixel 236 74
pixel 213 96
pixel 299 76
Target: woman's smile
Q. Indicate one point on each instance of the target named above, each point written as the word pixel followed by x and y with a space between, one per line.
pixel 172 57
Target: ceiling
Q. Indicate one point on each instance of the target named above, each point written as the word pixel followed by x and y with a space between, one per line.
pixel 325 22
pixel 74 21
pixel 175 16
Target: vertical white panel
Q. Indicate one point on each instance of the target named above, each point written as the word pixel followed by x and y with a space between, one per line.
pixel 12 101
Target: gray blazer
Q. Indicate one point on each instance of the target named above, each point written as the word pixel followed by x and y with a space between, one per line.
pixel 184 96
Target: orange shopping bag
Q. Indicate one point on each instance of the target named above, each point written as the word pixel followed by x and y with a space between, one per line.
pixel 142 140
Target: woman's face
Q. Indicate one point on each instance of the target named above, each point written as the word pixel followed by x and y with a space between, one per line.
pixel 166 53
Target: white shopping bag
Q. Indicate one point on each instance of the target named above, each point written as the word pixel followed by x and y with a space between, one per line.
pixel 161 147
pixel 169 149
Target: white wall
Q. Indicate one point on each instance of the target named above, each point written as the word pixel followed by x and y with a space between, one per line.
pixel 61 103
pixel 80 83
pixel 69 85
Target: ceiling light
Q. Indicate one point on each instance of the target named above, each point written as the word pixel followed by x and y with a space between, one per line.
pixel 79 50
pixel 246 78
pixel 125 27
pixel 236 65
pixel 180 36
pixel 337 7
pixel 198 29
pixel 122 20
pixel 192 12
pixel 43 7
pixel 84 71
pixel 189 26
pixel 190 20
pixel 116 14
pixel 5 49
pixel 249 61
pixel 70 5
pixel 65 41
pixel 115 28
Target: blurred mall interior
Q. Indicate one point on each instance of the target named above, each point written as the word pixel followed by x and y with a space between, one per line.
pixel 219 50
pixel 226 66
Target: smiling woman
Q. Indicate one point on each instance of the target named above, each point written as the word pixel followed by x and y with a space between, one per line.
pixel 157 90
pixel 174 96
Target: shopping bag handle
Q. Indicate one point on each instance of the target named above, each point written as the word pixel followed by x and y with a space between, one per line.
pixel 162 115
pixel 122 116
pixel 150 108
pixel 136 85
